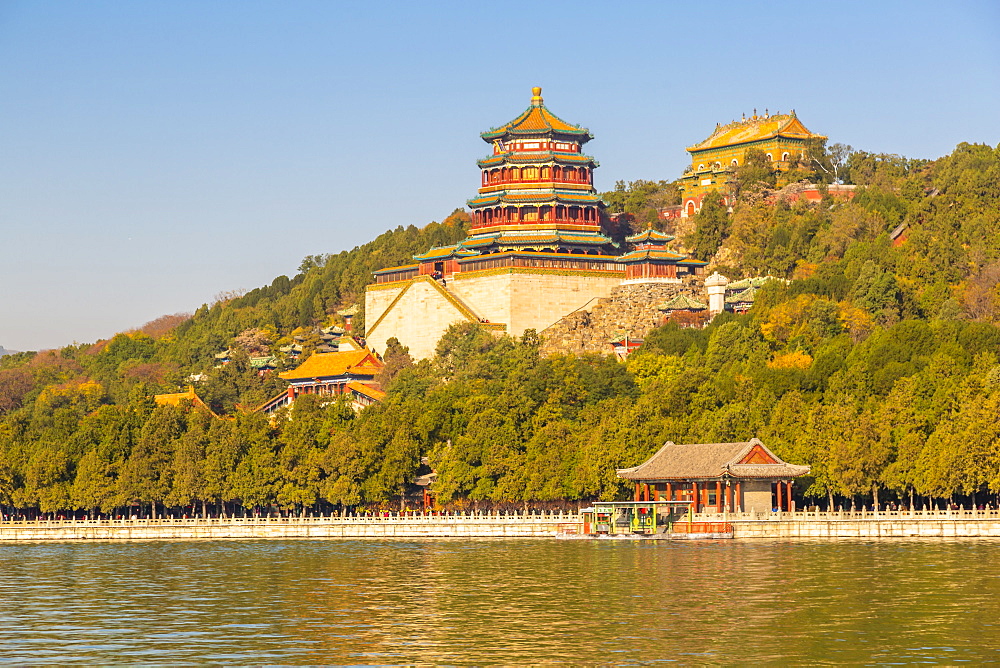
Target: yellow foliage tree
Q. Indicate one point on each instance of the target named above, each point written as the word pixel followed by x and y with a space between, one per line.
pixel 857 321
pixel 793 360
pixel 787 320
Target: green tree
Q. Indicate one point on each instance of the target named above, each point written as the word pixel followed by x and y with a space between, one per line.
pixel 711 227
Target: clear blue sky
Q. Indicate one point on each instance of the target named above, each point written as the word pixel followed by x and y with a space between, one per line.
pixel 153 154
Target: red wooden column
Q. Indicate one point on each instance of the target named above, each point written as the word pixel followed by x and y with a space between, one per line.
pixel 670 492
pixel 718 496
pixel 738 503
pixel 694 495
pixel 637 492
pixel 788 491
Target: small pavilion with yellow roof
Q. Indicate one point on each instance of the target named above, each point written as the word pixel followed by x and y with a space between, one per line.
pixel 180 399
pixel 781 137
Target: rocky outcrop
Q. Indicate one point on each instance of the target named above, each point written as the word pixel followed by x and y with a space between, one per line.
pixel 630 310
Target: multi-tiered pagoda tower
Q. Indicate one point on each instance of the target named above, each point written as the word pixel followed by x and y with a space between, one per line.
pixel 535 252
pixel 537 191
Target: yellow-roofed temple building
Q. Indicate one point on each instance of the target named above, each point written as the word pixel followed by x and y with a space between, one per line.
pixel 332 375
pixel 536 250
pixel 188 398
pixel 781 137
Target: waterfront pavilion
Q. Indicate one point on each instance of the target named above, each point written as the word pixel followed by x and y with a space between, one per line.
pixel 717 477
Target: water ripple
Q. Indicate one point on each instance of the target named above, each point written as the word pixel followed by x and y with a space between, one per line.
pixel 497 601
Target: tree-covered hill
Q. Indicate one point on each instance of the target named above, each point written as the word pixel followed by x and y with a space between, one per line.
pixel 877 364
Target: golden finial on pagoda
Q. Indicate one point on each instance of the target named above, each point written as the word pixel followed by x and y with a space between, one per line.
pixel 536 96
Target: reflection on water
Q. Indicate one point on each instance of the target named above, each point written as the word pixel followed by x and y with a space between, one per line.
pixel 500 601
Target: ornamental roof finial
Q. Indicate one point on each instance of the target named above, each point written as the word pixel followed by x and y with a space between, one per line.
pixel 536 96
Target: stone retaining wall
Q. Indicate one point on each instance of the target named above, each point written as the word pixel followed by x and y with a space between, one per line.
pixel 530 526
pixel 629 309
pixel 763 526
pixel 971 523
pixel 888 528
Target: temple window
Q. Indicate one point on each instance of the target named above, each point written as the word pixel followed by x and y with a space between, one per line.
pixel 770 158
pixel 546 173
pixel 701 168
pixel 784 157
pixel 531 173
pixel 735 163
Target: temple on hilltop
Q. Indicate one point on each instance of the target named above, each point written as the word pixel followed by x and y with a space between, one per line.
pixel 536 251
pixel 781 137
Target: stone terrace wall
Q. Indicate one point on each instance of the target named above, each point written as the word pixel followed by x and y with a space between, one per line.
pixel 869 524
pixel 396 526
pixel 630 309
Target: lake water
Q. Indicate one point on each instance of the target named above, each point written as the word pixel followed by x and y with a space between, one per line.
pixel 500 601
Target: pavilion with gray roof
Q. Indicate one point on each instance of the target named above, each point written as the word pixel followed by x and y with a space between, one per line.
pixel 737 477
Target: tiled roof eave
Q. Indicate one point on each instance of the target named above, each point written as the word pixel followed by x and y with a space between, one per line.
pixel 645 236
pixel 662 255
pixel 537 157
pixel 529 198
pixel 537 120
pixel 388 270
pixel 709 461
pixel 764 471
pixel 697 148
pixel 561 256
pixel 490 135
